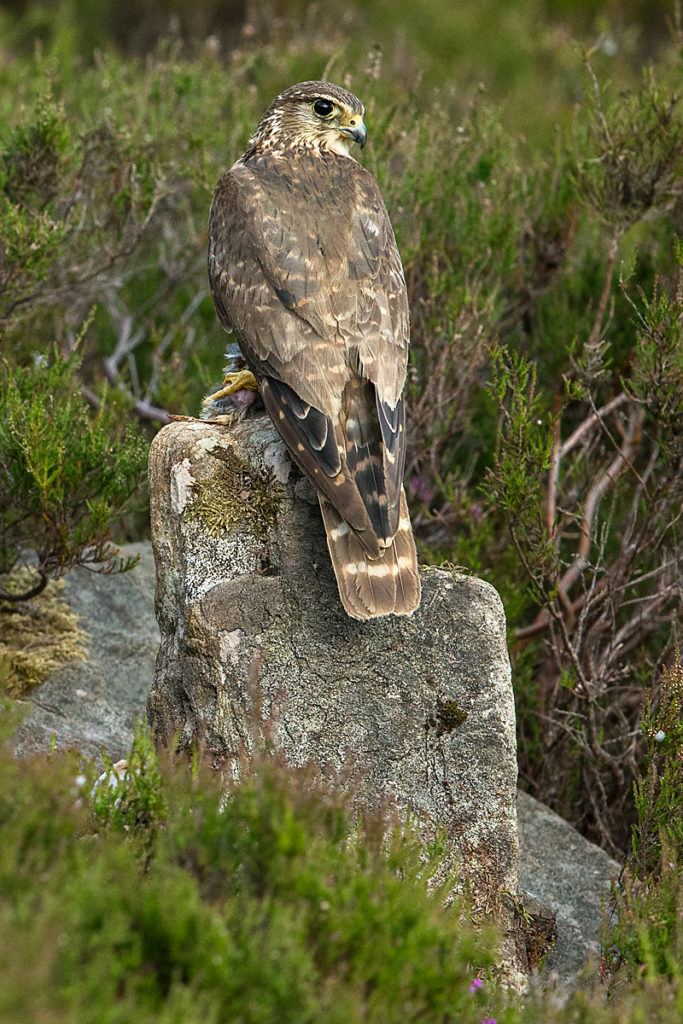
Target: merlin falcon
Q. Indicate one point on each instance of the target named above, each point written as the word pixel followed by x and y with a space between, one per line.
pixel 304 269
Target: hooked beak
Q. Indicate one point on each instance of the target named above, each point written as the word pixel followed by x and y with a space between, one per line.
pixel 356 130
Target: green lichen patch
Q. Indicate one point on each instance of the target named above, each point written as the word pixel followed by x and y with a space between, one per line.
pixel 37 636
pixel 236 495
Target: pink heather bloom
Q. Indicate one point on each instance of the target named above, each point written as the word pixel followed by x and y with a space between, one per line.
pixel 488 1020
pixel 421 489
pixel 475 984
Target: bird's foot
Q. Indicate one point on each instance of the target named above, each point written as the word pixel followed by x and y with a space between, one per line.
pixel 233 399
pixel 242 380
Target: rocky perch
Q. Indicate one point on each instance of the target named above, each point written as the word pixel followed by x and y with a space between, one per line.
pixel 415 711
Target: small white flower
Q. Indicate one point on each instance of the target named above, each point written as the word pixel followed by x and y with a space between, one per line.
pixel 113 779
pixel 608 44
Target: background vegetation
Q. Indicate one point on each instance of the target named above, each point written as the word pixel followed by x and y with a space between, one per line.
pixel 531 158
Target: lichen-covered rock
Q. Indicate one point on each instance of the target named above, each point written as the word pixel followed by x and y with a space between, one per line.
pixel 417 711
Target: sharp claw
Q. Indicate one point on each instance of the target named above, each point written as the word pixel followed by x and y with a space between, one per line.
pixel 243 380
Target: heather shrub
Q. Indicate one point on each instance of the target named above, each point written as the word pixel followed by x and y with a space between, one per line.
pixel 68 474
pixel 189 900
pixel 158 892
pixel 645 940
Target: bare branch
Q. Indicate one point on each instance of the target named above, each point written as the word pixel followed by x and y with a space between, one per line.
pixel 594 340
pixel 593 421
pixel 26 595
pixel 621 462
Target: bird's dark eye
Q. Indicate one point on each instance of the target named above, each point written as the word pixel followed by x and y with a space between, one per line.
pixel 323 108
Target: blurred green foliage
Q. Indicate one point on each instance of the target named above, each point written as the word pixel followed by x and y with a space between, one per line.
pixel 645 938
pixel 189 899
pixel 158 892
pixel 520 52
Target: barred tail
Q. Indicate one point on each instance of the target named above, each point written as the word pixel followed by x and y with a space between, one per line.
pixel 369 587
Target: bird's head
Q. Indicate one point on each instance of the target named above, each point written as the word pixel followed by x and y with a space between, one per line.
pixel 313 115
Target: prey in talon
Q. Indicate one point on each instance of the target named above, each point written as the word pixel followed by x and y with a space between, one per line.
pixel 238 393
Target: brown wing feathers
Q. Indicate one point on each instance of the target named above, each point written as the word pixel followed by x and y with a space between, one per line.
pixel 392 427
pixel 370 540
pixel 365 455
pixel 326 473
pixel 304 267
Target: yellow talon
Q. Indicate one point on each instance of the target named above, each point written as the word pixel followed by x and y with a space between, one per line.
pixel 242 380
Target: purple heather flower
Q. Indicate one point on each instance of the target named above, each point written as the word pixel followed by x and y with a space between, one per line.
pixel 488 1020
pixel 475 984
pixel 421 489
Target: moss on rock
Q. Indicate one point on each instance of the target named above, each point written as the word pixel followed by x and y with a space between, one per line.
pixel 235 495
pixel 37 636
pixel 449 717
